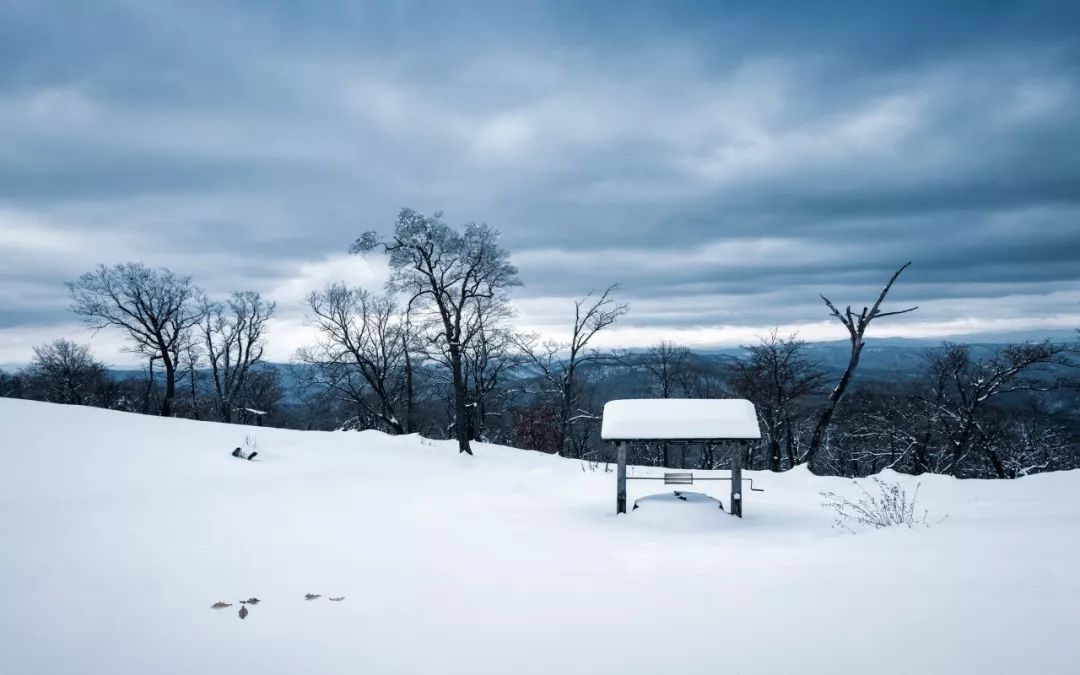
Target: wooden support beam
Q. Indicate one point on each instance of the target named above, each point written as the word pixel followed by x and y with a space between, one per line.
pixel 736 480
pixel 620 491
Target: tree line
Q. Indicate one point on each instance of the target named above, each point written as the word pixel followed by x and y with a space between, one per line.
pixel 436 352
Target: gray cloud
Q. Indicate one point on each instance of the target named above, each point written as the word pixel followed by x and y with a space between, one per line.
pixel 725 164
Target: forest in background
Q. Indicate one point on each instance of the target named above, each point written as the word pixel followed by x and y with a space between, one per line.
pixel 436 353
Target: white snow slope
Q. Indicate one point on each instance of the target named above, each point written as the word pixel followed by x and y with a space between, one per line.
pixel 119 531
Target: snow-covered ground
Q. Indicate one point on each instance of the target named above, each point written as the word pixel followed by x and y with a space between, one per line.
pixel 119 531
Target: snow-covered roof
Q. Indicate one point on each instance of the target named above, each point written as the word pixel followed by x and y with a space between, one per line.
pixel 679 419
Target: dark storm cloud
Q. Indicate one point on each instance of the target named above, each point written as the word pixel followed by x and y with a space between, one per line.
pixel 725 162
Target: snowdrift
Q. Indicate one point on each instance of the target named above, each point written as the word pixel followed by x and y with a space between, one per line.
pixel 120 531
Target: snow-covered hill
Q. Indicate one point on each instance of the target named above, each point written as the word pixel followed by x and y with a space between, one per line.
pixel 119 532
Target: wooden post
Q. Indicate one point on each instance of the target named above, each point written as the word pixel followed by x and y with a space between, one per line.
pixel 736 480
pixel 620 491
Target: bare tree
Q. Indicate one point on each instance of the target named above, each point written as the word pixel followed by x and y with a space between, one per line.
pixel 856 325
pixel 233 333
pixel 972 384
pixel 559 363
pixel 445 272
pixel 775 375
pixel 668 367
pixel 667 364
pixel 1025 441
pixel 704 379
pixel 190 362
pixel 11 384
pixel 361 352
pixel 65 372
pixel 155 307
pixel 488 358
pixel 261 394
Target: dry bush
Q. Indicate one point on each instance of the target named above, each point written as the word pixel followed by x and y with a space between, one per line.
pixel 890 505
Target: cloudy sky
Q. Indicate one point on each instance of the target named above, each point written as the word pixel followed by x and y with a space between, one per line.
pixel 725 162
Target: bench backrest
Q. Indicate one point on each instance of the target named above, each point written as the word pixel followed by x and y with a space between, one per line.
pixel 679 478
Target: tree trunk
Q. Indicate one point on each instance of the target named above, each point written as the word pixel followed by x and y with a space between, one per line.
pixel 149 388
pixel 194 402
pixel 813 454
pixel 995 461
pixel 789 440
pixel 170 388
pixel 409 427
pixel 461 410
pixel 564 422
pixel 480 417
pixel 960 446
pixel 922 455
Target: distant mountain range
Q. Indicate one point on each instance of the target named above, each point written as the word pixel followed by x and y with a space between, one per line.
pixel 882 357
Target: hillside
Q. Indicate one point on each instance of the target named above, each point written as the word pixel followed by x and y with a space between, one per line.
pixel 121 530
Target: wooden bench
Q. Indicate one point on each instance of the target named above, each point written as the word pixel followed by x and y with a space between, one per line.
pixel 686 478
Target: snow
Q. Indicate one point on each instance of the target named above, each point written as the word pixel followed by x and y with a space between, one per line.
pixel 679 419
pixel 119 532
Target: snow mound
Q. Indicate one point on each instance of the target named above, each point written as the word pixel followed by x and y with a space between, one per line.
pixel 680 510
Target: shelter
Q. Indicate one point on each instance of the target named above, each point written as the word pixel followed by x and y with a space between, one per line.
pixel 730 422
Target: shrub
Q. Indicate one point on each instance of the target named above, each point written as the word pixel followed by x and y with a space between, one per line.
pixel 889 506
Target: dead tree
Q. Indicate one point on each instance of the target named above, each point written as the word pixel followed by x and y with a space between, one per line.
pixel 155 307
pixel 856 325
pixel 559 362
pixel 233 333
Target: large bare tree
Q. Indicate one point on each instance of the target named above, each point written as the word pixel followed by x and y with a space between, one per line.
pixel 559 363
pixel 856 325
pixel 156 308
pixel 233 333
pixel 445 272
